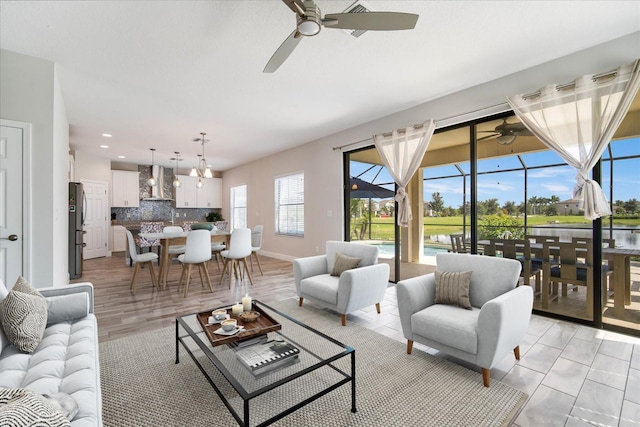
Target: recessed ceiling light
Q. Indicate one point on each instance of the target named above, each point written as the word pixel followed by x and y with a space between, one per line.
pixel 104 146
pixel 121 157
pixel 107 135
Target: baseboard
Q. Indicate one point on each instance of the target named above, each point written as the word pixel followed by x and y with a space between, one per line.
pixel 275 255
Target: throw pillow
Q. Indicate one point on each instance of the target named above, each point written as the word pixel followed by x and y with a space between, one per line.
pixel 63 403
pixel 23 314
pixel 453 288
pixel 20 407
pixel 343 263
pixel 65 308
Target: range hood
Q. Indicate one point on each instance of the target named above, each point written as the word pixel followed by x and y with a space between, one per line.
pixel 158 191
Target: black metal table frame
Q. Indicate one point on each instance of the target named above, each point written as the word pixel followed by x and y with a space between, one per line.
pixel 246 397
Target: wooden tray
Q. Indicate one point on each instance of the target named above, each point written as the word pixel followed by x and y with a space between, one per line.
pixel 263 324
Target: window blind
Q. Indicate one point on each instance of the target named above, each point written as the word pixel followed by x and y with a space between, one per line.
pixel 289 192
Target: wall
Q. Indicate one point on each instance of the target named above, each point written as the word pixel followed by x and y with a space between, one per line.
pixel 322 165
pixel 60 184
pixel 92 168
pixel 28 93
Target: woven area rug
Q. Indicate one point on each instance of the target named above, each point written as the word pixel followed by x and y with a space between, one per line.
pixel 142 386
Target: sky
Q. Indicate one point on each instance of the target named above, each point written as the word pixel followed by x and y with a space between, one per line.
pixel 509 186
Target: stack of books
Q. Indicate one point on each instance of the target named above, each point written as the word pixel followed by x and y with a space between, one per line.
pixel 262 357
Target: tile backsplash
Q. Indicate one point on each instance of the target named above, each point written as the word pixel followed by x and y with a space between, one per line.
pixel 159 210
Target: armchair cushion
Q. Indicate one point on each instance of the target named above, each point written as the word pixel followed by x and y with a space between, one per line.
pixel 453 288
pixel 448 325
pixel 343 263
pixel 323 287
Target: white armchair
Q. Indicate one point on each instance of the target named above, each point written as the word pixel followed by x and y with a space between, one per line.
pixel 353 289
pixel 494 326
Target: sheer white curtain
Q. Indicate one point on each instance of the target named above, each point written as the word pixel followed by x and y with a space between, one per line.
pixel 402 152
pixel 578 121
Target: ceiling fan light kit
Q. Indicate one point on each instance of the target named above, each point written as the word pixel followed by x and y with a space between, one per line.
pixel 309 22
pixel 505 139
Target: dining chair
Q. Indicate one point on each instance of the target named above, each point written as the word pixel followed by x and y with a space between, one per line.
pixel 216 247
pixel 539 240
pixel 174 249
pixel 197 252
pixel 458 244
pixel 256 244
pixel 574 267
pixel 607 266
pixel 139 260
pixel 521 250
pixel 149 227
pixel 239 250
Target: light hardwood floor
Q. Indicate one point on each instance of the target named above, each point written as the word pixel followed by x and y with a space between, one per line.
pixel 120 313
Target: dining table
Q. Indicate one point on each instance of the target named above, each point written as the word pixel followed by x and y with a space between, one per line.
pixel 168 239
pixel 621 258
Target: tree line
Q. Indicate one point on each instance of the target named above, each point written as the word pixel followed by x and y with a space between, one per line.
pixel 536 206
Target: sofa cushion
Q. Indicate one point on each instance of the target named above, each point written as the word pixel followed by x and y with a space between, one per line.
pixel 343 263
pixel 65 361
pixel 453 288
pixel 23 408
pixel 449 325
pixel 23 314
pixel 323 287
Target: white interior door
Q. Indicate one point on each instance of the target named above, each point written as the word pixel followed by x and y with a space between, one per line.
pixel 95 222
pixel 11 234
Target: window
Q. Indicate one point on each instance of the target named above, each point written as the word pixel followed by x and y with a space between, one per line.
pixel 239 207
pixel 290 204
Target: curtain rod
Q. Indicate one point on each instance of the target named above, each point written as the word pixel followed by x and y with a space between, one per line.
pixel 418 126
pixel 571 85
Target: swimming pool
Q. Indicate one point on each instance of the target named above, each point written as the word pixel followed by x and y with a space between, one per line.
pixel 387 250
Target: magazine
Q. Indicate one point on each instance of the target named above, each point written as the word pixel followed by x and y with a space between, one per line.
pixel 264 357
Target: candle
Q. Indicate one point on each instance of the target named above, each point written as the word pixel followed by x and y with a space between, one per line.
pixel 236 309
pixel 246 302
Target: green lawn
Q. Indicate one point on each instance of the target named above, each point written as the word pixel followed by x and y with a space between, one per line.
pixel 382 228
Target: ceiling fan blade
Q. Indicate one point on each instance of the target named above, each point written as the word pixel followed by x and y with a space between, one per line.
pixel 283 52
pixel 295 5
pixel 379 21
pixel 488 136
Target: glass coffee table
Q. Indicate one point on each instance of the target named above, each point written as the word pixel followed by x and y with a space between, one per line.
pixel 322 365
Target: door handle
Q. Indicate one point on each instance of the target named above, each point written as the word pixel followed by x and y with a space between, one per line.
pixel 12 237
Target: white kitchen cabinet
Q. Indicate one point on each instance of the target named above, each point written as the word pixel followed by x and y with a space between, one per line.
pixel 119 243
pixel 210 195
pixel 124 189
pixel 186 194
pixel 190 196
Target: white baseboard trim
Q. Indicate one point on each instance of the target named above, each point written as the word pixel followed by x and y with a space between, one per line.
pixel 275 255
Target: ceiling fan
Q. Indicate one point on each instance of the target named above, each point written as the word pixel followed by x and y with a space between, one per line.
pixel 506 133
pixel 310 22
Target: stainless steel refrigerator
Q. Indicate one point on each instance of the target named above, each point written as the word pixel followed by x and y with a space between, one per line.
pixel 77 205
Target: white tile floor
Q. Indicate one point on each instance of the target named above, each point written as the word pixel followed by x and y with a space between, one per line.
pixel 574 375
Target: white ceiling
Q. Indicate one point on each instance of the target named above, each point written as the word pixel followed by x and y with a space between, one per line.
pixel 156 74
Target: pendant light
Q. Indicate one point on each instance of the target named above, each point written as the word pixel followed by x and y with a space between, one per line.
pixel 202 170
pixel 152 181
pixel 176 180
pixel 199 183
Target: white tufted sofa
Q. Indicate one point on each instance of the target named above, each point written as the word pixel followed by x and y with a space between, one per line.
pixel 66 360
